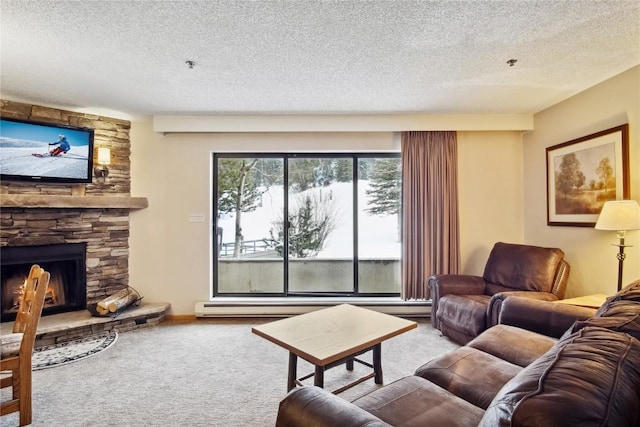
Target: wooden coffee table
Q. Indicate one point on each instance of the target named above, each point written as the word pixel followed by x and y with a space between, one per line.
pixel 332 336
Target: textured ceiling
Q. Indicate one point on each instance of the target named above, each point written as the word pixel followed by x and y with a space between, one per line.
pixel 127 58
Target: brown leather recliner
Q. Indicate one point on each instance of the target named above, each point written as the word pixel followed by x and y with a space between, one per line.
pixel 463 306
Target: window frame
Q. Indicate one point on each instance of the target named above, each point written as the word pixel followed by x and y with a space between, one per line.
pixel 354 156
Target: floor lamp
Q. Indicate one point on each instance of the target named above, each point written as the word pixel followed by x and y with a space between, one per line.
pixel 620 216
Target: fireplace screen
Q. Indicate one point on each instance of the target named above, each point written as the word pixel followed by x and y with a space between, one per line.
pixel 65 263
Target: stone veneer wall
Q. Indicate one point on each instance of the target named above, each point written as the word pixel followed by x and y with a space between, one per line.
pixel 106 231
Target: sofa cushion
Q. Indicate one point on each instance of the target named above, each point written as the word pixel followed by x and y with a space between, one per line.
pixel 523 267
pixel 468 373
pixel 589 378
pixel 414 401
pixel 630 293
pixel 464 314
pixel 620 316
pixel 515 345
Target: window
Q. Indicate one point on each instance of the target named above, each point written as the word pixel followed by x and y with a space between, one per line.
pixel 307 224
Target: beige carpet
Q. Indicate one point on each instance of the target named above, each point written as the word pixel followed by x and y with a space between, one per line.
pixel 197 374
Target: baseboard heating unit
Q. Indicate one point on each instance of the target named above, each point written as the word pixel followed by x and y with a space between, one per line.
pixel 283 307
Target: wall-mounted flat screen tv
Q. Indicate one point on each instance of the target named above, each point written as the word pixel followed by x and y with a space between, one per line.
pixel 42 152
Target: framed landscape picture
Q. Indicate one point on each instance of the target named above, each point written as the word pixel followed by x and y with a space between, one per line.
pixel 584 173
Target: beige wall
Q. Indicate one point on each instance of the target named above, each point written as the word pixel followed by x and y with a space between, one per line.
pixel 490 194
pixel 170 256
pixel 593 259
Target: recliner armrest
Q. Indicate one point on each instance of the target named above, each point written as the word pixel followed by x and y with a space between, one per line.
pixel 458 284
pixel 316 407
pixel 495 305
pixel 545 317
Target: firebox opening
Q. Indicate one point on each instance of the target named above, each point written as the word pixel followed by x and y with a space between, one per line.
pixel 67 287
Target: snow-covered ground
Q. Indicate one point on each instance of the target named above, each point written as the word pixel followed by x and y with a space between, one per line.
pixel 378 236
pixel 21 161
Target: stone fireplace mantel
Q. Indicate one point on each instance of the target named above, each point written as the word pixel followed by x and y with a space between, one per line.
pixel 73 202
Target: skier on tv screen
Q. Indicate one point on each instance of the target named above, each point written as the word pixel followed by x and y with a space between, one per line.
pixel 62 146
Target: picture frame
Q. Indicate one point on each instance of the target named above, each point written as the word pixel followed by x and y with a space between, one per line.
pixel 584 173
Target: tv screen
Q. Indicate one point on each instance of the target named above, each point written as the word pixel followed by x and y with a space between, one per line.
pixel 41 152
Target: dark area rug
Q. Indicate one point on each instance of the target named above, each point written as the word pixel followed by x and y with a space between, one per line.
pixel 72 351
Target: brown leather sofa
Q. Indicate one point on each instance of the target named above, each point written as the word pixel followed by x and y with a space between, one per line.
pixel 545 364
pixel 464 305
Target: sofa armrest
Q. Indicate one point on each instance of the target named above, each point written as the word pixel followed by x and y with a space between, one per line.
pixel 316 407
pixel 544 317
pixel 495 305
pixel 457 284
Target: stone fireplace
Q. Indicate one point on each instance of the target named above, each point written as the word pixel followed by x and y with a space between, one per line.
pixel 67 289
pixel 93 215
pixel 102 233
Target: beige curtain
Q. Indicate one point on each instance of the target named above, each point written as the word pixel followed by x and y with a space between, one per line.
pixel 430 241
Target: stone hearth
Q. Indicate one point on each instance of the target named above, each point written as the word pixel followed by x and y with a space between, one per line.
pixel 67 326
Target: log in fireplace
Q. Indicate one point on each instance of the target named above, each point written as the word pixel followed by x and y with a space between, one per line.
pixel 66 263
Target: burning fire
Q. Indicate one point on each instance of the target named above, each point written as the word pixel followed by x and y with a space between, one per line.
pixel 17 299
pixel 50 297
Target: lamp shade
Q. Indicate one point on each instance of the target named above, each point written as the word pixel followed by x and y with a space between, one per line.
pixel 619 215
pixel 104 156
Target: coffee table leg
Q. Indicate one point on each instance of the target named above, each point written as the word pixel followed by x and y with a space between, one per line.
pixel 318 378
pixel 377 363
pixel 350 364
pixel 293 371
